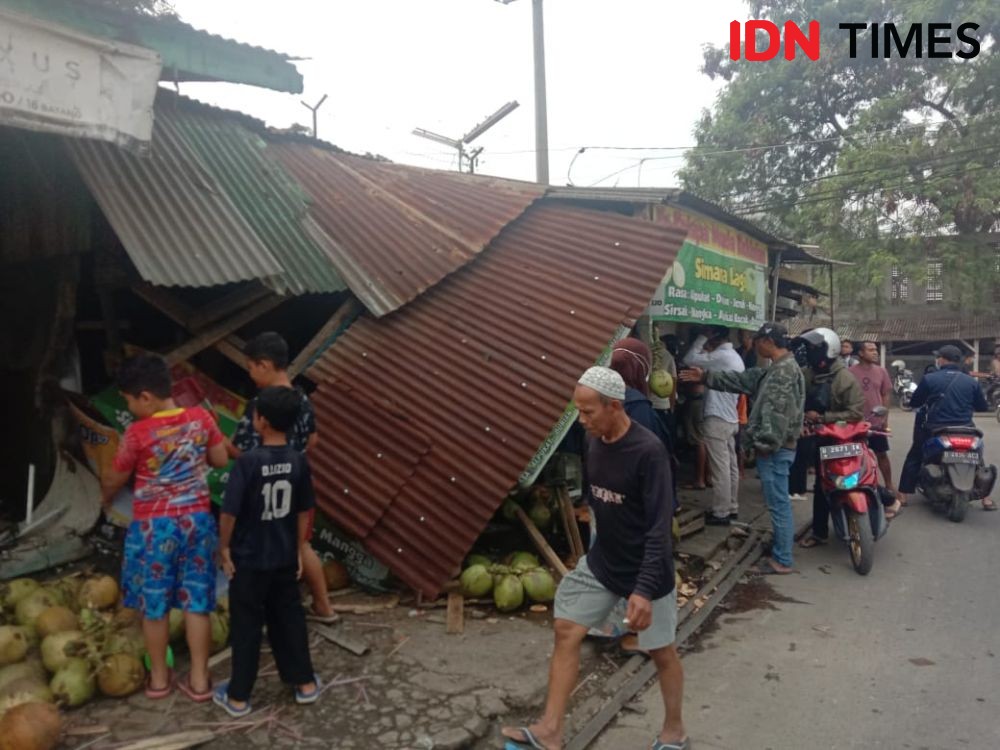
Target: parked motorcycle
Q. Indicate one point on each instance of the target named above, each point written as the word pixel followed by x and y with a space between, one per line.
pixel 954 470
pixel 849 476
pixel 992 390
pixel 903 385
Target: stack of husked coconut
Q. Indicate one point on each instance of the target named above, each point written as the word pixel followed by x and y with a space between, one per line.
pixel 522 578
pixel 63 641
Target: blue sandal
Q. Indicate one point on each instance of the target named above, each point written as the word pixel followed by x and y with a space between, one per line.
pixel 220 697
pixel 684 744
pixel 304 698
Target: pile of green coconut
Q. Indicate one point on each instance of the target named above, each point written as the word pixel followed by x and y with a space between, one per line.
pixel 64 641
pixel 520 579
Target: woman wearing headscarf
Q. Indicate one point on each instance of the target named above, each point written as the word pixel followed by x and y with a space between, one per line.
pixel 632 360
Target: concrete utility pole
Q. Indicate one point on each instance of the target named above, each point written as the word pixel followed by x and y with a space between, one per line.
pixel 541 107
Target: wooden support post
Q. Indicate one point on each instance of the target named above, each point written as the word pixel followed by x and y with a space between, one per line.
pixel 975 353
pixel 227 306
pixel 883 354
pixel 570 524
pixel 347 310
pixel 219 331
pixel 456 613
pixel 543 546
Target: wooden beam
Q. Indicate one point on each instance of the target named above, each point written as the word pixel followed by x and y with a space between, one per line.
pixel 226 307
pixel 347 309
pixel 543 546
pixel 173 308
pixel 456 614
pixel 569 523
pixel 219 331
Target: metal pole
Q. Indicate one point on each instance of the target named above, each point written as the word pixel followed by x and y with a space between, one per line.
pixel 541 115
pixel 774 286
pixel 833 324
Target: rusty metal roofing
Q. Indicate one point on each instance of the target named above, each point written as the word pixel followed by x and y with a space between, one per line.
pixel 172 216
pixel 929 327
pixel 429 415
pixel 267 197
pixel 399 230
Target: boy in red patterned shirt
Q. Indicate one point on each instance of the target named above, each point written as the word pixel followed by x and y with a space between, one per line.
pixel 171 543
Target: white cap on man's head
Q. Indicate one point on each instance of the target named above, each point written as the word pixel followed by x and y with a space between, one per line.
pixel 605 381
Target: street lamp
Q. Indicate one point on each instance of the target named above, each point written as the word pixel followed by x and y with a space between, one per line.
pixel 541 116
pixel 459 144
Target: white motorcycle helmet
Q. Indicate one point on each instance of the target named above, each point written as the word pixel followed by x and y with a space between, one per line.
pixel 822 347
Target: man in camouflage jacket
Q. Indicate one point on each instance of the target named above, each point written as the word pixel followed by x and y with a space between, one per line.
pixel 775 423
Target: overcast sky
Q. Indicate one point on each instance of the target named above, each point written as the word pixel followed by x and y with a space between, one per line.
pixel 624 73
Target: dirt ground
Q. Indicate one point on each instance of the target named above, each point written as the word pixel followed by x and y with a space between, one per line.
pixel 415 688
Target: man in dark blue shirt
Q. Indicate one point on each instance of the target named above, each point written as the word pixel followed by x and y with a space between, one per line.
pixel 628 485
pixel 946 397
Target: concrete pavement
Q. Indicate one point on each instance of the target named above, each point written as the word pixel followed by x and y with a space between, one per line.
pixel 907 657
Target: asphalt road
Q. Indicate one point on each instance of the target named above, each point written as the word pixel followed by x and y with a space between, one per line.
pixel 907 657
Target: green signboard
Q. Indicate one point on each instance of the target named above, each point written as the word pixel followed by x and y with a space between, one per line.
pixel 708 287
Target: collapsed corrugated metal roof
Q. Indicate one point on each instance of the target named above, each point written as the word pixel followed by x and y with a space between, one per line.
pixel 399 230
pixel 430 415
pixel 209 205
pixel 174 219
pixel 931 327
pixel 266 196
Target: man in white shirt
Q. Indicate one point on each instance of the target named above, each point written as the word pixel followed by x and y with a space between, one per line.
pixel 713 352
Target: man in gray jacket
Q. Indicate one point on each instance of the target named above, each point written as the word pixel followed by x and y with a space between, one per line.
pixel 775 422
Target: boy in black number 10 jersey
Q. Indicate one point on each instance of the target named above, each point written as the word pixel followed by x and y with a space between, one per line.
pixel 262 530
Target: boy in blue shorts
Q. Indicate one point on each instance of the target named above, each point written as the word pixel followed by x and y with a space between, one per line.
pixel 264 528
pixel 170 544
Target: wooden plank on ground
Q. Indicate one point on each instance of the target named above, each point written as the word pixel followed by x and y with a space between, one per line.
pixel 456 614
pixel 219 331
pixel 347 309
pixel 336 635
pixel 543 546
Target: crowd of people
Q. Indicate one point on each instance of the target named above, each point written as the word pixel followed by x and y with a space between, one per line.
pixel 760 399
pixel 788 386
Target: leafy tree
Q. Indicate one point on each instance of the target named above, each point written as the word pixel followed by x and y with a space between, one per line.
pixel 868 158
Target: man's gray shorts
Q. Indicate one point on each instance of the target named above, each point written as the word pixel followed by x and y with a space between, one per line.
pixel 582 599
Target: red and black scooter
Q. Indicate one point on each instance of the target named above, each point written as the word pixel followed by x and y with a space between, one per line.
pixel 850 480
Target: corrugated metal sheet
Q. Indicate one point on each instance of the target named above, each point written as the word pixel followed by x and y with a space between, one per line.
pixel 176 222
pixel 930 328
pixel 445 402
pixel 399 230
pixel 271 203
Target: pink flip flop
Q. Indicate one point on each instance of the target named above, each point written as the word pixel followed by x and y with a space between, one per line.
pixel 155 694
pixel 184 685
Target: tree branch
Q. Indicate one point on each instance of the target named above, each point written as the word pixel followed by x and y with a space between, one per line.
pixel 947 113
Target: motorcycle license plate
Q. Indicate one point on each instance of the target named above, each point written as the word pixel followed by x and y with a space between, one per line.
pixel 827 452
pixel 957 457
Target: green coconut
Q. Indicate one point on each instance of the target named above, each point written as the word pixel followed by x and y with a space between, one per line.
pixel 476 581
pixel 477 559
pixel 539 585
pixel 13 645
pixel 59 648
pixel 176 620
pixel 126 641
pixel 524 560
pixel 74 684
pixel 98 593
pixel 29 669
pixel 55 620
pixel 220 631
pixel 541 516
pixel 661 383
pixel 30 607
pixel 12 592
pixel 510 509
pixel 120 675
pixel 23 691
pixel 508 594
pixel 69 589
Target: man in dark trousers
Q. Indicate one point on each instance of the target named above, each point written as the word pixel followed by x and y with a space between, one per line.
pixel 946 397
pixel 627 482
